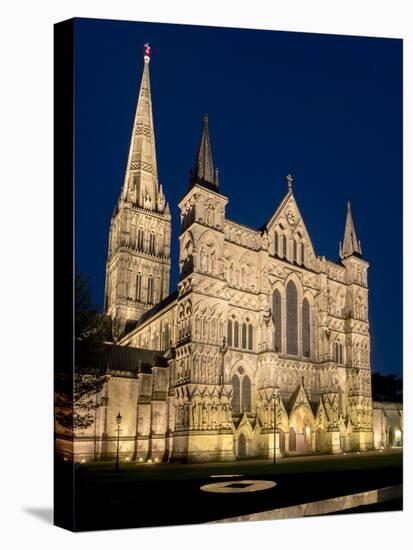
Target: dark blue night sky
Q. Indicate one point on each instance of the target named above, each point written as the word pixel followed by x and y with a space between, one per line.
pixel 326 108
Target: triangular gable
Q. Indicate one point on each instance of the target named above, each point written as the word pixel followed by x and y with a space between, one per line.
pixel 289 216
pixel 244 423
pixel 299 398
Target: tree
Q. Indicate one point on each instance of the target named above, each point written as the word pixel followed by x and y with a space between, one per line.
pixel 386 387
pixel 76 392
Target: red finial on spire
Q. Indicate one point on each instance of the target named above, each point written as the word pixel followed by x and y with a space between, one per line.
pixel 146 51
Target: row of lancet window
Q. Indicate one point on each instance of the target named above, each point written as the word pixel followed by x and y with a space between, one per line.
pixel 138 294
pixel 280 249
pixel 240 335
pixel 140 241
pixel 291 326
pixel 241 394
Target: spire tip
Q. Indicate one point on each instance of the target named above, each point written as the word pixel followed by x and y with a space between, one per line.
pixel 146 52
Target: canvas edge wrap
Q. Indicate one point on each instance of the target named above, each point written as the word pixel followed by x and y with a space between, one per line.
pixel 63 64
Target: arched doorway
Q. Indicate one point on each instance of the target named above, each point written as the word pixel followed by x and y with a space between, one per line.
pixel 292 440
pixel 242 446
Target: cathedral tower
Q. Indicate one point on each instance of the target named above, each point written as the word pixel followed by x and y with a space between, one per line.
pixel 138 265
pixel 359 405
pixel 202 399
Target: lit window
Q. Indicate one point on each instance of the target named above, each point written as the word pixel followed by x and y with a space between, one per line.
pixel 138 287
pixel 276 315
pixel 306 328
pixel 292 332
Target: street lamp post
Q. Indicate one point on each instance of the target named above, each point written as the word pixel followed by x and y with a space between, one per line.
pixel 118 422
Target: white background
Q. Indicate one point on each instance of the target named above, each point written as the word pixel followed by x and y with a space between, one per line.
pixel 26 227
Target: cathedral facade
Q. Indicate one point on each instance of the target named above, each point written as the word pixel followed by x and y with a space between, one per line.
pixel 262 350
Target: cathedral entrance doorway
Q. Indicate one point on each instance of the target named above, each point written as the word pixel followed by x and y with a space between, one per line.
pixel 292 440
pixel 242 446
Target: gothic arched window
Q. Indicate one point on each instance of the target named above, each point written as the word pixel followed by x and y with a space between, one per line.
pixel 244 336
pixel 236 397
pixel 152 243
pixel 229 333
pixel 292 332
pixel 140 239
pixel 276 315
pixel 246 395
pixel 284 240
pixel 250 337
pixel 276 243
pixel 338 353
pixel 294 250
pixel 302 253
pixel 236 334
pixel 150 289
pixel 138 287
pixel 306 328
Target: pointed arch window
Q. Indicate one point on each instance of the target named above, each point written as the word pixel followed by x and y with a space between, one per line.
pixel 338 353
pixel 276 243
pixel 284 241
pixel 150 289
pixel 244 336
pixel 246 395
pixel 276 315
pixel 292 332
pixel 236 334
pixel 138 287
pixel 294 250
pixel 229 332
pixel 140 239
pixel 306 328
pixel 152 243
pixel 236 395
pixel 302 254
pixel 250 337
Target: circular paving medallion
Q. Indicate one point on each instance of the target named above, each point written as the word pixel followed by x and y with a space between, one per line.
pixel 239 486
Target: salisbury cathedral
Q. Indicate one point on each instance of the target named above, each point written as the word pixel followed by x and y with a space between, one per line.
pixel 263 349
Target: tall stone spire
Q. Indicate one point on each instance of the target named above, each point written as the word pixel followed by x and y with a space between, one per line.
pixel 139 260
pixel 350 244
pixel 203 172
pixel 141 185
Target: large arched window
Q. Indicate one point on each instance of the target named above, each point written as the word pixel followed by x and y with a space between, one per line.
pixel 292 332
pixel 246 395
pixel 276 315
pixel 306 328
pixel 229 332
pixel 236 396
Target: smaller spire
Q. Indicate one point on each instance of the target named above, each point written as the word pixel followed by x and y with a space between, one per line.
pixel 290 180
pixel 350 244
pixel 203 172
